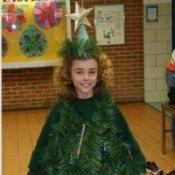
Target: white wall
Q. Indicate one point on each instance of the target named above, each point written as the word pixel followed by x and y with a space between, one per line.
pixel 157 50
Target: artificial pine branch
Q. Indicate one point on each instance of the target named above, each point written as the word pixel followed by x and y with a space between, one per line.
pixel 79 49
pixel 59 157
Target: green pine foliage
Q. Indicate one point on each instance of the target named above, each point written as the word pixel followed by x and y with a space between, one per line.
pixel 60 155
pixel 76 49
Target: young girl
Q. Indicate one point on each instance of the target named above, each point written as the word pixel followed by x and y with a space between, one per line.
pixel 85 132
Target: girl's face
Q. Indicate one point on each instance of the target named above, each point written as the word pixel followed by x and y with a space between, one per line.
pixel 84 77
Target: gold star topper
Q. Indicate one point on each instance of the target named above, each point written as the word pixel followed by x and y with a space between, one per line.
pixel 80 16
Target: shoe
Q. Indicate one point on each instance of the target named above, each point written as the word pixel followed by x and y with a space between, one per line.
pixel 159 172
pixel 152 168
pixel 172 172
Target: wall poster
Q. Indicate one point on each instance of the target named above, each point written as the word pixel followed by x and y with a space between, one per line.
pixel 152 13
pixel 32 31
pixel 110 24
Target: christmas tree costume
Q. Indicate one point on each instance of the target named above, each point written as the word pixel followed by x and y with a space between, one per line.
pixel 85 136
pixel 107 148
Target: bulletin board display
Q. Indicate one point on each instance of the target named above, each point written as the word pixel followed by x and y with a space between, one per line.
pixel 32 32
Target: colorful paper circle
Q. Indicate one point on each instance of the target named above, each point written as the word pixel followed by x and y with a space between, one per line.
pixel 12 18
pixel 32 42
pixel 4 46
pixel 47 14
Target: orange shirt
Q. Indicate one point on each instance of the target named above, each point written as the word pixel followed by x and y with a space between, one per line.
pixel 170 66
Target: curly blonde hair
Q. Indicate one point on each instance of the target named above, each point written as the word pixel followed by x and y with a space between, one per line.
pixel 65 87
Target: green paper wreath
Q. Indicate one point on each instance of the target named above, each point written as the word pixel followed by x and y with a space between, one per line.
pixel 4 46
pixel 33 42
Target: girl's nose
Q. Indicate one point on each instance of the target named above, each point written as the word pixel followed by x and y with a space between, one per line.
pixel 86 76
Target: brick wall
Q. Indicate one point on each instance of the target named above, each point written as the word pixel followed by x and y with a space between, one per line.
pixel 28 88
pixel 25 88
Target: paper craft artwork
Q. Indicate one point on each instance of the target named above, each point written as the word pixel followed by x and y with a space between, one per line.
pixel 32 42
pixel 12 18
pixel 47 14
pixel 80 16
pixel 4 46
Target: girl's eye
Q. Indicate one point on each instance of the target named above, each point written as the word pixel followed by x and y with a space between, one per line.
pixel 92 72
pixel 79 72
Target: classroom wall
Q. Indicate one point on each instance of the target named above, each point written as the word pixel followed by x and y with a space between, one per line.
pixel 157 50
pixel 29 88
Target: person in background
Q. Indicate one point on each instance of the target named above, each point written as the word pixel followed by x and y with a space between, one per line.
pixel 85 132
pixel 170 79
